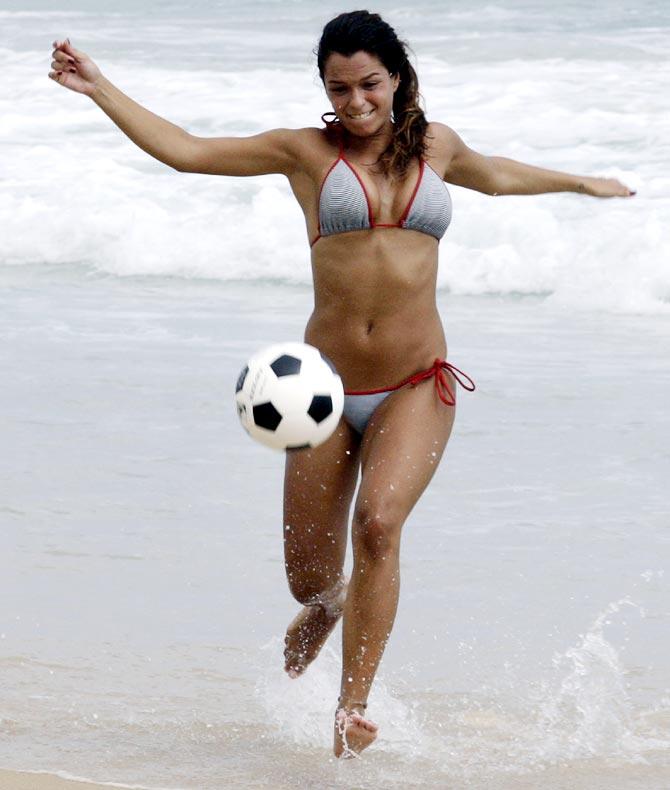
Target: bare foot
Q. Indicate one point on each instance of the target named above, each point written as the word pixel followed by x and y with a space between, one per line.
pixel 308 632
pixel 353 733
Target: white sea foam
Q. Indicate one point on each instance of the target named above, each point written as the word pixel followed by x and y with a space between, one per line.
pixel 73 189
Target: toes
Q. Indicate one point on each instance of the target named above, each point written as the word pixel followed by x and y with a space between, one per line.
pixel 293 665
pixel 366 724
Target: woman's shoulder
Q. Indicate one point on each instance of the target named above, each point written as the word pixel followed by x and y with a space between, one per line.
pixel 442 142
pixel 310 140
pixel 441 137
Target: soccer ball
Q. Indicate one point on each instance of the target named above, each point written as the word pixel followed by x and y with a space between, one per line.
pixel 289 396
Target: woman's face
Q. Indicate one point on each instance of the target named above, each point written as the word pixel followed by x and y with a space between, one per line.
pixel 360 90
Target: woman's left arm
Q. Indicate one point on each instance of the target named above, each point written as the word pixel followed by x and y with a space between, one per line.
pixel 497 175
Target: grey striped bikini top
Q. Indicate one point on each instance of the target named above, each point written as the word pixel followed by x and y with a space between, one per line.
pixel 344 204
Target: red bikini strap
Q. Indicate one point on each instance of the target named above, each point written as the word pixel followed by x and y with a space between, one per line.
pixel 442 387
pixel 437 371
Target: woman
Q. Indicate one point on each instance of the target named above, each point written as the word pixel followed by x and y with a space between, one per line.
pixel 371 186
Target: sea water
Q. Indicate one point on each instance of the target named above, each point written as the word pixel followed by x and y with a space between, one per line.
pixel 142 583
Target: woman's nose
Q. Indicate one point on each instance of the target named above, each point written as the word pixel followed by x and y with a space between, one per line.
pixel 357 100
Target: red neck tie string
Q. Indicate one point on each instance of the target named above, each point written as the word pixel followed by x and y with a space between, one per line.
pixel 437 371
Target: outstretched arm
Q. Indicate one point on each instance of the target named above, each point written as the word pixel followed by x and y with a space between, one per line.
pixel 270 152
pixel 496 175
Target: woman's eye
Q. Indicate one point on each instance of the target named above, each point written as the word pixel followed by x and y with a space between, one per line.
pixel 370 86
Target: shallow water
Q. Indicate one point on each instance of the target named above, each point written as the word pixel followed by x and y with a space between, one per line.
pixel 143 579
pixel 144 599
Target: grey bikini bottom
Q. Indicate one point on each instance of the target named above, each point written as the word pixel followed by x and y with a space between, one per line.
pixel 359 408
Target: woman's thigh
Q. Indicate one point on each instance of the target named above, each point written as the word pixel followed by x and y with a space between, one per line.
pixel 319 485
pixel 401 449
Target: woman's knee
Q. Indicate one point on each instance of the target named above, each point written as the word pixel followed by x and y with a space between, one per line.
pixel 309 587
pixel 376 531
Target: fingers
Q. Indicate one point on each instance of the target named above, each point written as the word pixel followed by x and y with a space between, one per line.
pixel 63 62
pixel 621 190
pixel 66 50
pixel 612 187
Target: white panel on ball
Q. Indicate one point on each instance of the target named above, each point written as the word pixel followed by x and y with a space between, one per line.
pixel 289 396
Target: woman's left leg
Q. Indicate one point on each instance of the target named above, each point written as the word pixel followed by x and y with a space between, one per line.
pixel 401 449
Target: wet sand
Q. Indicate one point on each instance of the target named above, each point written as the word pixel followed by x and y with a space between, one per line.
pixel 23 780
pixel 581 775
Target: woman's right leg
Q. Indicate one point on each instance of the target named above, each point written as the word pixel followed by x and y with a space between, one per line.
pixel 319 485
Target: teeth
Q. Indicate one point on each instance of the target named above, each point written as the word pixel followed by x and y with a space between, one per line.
pixel 362 115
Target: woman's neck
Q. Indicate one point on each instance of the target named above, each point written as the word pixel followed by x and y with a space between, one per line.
pixel 370 148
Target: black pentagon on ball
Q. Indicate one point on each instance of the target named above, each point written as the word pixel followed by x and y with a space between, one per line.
pixel 286 365
pixel 320 408
pixel 266 416
pixel 240 380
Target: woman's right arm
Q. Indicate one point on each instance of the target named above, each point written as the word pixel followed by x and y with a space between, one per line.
pixel 269 152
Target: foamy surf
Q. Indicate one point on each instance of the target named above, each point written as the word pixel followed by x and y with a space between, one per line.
pixel 126 215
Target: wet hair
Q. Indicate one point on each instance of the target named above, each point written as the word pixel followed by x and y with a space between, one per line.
pixel 358 31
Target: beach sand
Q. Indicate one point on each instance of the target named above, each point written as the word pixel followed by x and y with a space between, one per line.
pixel 589 775
pixel 21 780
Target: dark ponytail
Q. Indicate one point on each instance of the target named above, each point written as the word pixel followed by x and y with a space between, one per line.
pixel 358 31
pixel 409 135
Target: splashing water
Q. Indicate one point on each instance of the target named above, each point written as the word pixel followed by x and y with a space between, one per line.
pixel 582 711
pixel 590 713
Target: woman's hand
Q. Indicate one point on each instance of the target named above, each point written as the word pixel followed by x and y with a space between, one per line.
pixel 73 69
pixel 604 187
